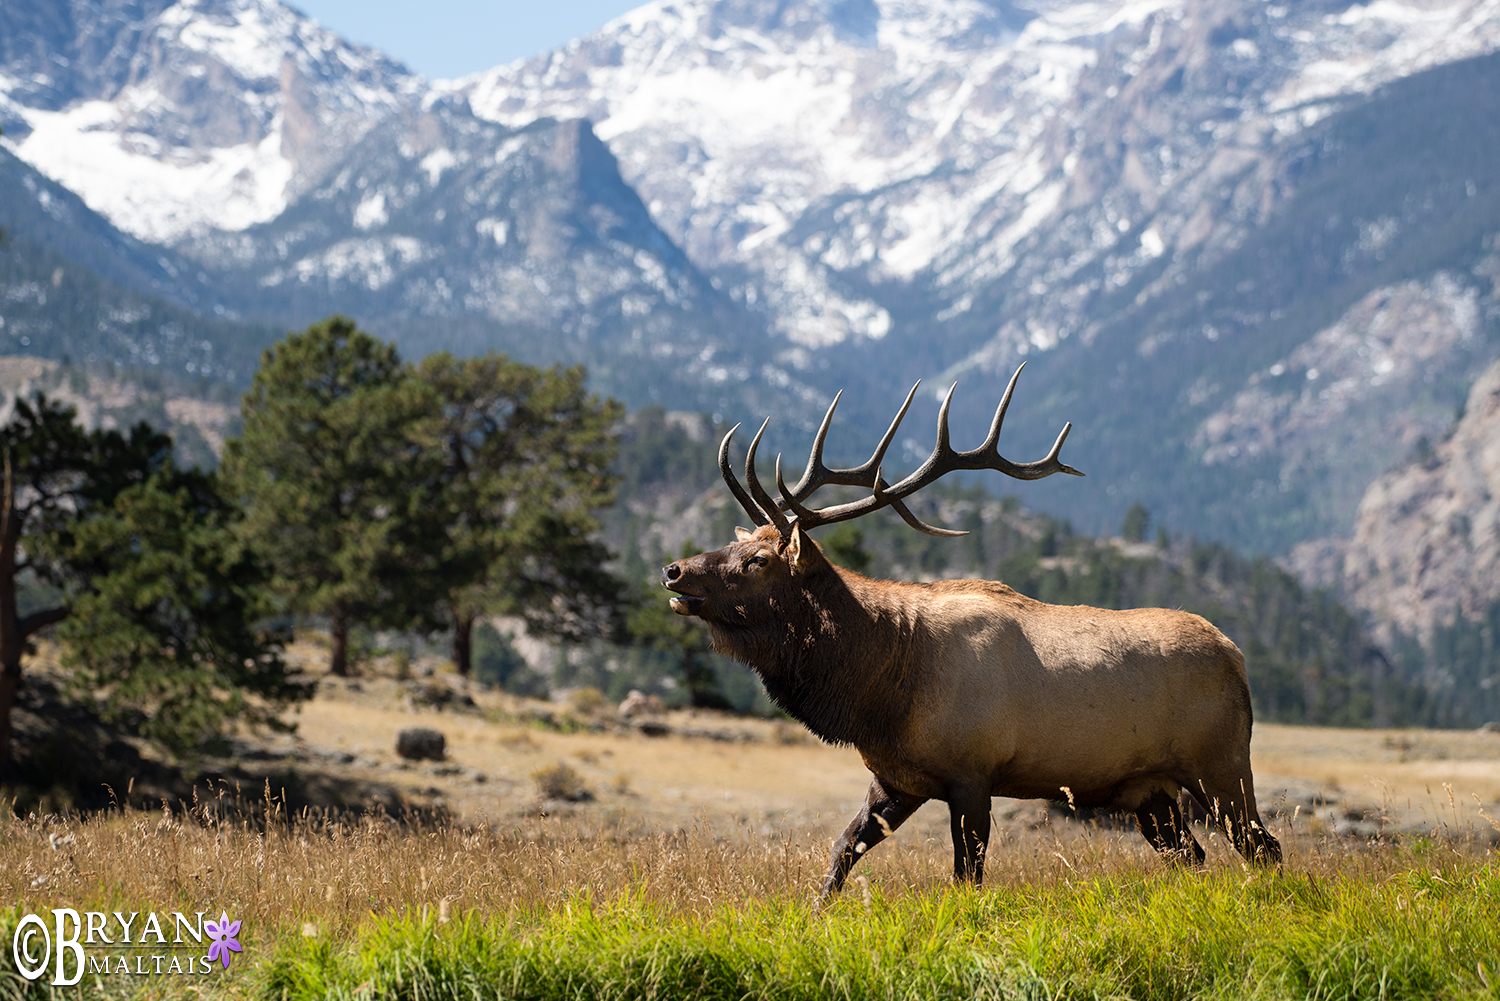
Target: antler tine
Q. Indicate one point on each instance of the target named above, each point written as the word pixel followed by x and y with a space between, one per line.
pixel 899 506
pixel 756 516
pixel 992 440
pixel 789 497
pixel 1046 466
pixel 947 533
pixel 816 473
pixel 942 435
pixel 941 459
pixel 885 442
pixel 762 499
pixel 819 475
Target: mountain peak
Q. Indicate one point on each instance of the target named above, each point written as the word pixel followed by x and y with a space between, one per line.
pixel 172 119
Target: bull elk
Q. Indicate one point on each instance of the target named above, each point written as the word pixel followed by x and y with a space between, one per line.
pixel 962 690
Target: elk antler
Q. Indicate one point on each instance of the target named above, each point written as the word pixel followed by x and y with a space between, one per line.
pixel 944 459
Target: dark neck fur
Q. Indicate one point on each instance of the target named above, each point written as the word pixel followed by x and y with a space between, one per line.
pixel 840 664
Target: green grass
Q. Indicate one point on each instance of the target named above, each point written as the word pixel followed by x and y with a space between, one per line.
pixel 1431 931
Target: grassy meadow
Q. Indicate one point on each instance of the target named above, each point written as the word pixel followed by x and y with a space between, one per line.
pixel 372 909
pixel 688 870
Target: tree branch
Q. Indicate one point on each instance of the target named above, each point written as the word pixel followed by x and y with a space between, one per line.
pixel 41 620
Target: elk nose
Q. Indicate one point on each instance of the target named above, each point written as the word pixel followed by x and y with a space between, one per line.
pixel 672 572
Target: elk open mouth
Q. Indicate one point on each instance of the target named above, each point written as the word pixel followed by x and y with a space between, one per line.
pixel 683 602
pixel 686 604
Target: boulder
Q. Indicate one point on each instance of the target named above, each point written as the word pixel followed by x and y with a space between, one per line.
pixel 420 743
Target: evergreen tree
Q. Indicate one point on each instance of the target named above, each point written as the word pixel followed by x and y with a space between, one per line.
pixel 52 473
pixel 1137 519
pixel 336 479
pixel 164 601
pixel 845 546
pixel 522 457
pixel 153 594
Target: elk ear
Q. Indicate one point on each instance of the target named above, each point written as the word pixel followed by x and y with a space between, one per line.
pixel 800 550
pixel 743 534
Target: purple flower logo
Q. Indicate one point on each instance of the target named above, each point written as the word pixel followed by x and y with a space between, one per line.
pixel 223 933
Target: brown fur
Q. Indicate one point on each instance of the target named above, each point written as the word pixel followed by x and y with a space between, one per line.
pixel 963 690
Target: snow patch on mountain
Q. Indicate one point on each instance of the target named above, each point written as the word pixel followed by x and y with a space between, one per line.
pixel 206 115
pixel 925 142
pixel 150 190
pixel 1367 45
pixel 372 263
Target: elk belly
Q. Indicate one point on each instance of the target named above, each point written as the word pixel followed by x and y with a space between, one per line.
pixel 1111 705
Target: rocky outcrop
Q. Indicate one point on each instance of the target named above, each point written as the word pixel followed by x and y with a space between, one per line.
pixel 1363 391
pixel 1426 540
pixel 197 425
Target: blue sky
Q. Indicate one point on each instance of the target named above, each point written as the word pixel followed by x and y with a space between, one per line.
pixel 448 38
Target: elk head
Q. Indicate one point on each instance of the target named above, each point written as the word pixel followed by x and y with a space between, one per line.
pixel 726 585
pixel 754 574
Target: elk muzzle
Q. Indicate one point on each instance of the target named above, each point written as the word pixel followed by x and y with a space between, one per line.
pixel 685 602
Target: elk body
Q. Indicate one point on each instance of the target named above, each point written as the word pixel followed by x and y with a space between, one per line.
pixel 963 690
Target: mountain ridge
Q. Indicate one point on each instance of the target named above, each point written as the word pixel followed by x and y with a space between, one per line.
pixel 1157 205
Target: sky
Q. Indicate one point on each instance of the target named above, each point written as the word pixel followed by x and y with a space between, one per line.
pixel 449 38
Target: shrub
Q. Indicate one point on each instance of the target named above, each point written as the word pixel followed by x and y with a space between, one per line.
pixel 561 781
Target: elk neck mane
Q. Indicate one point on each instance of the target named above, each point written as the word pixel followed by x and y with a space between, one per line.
pixel 837 656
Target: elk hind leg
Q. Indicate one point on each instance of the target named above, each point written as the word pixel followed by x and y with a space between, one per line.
pixel 969 820
pixel 1230 803
pixel 884 810
pixel 1162 824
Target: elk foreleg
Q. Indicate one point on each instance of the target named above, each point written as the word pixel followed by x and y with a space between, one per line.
pixel 883 812
pixel 1230 802
pixel 1162 824
pixel 969 819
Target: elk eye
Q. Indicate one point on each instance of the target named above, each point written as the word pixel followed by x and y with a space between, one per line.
pixel 756 561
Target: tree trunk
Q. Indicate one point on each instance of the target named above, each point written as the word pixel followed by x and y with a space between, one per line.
pixel 12 643
pixel 13 633
pixel 702 683
pixel 463 643
pixel 338 658
pixel 10 683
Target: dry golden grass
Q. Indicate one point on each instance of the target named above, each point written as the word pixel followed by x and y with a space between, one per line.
pixel 767 784
pixel 684 832
pixel 1406 769
pixel 333 875
pixel 684 822
pixel 687 833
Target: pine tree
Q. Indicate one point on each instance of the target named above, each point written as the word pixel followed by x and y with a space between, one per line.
pixel 146 570
pixel 524 466
pixel 335 476
pixel 165 602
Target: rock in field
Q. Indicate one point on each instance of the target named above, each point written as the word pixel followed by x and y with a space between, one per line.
pixel 421 742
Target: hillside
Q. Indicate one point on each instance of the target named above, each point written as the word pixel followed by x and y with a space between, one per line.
pixel 198 416
pixel 1311 659
pixel 1423 563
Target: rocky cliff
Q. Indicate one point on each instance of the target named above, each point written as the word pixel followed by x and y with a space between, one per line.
pixel 1426 542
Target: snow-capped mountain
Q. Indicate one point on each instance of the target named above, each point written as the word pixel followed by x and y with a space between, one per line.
pixel 528 231
pixel 73 287
pixel 1156 202
pixel 298 174
pixel 840 148
pixel 1248 248
pixel 176 117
